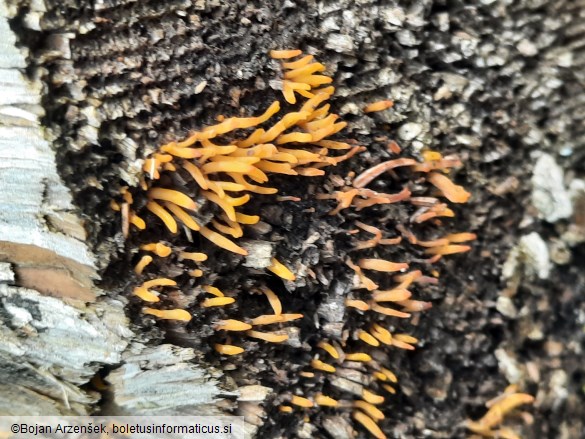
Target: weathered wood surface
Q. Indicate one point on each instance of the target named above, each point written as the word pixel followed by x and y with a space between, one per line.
pixel 56 332
pixel 500 83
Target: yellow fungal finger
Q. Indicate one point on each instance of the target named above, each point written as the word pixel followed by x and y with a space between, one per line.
pixel 176 197
pixel 217 301
pixel 369 424
pixel 273 300
pixel 326 401
pixel 184 153
pixel 159 282
pixel 380 376
pixel 232 325
pixel 146 295
pixel 222 241
pixel 329 348
pixel 359 356
pixel 450 249
pixel 307 374
pixel 378 106
pixel 297 64
pixel 451 191
pixel 368 338
pixel 294 137
pixel 381 334
pixel 391 295
pixel 389 374
pixel 320 365
pixel 144 261
pixel 212 290
pixel 314 80
pixel 195 273
pixel 267 336
pixel 280 270
pixel 370 409
pixel 301 402
pixel 371 397
pixel 221 202
pixel 358 304
pixel 235 231
pixel 382 265
pixel 157 248
pixel 270 319
pixel 389 389
pixel 193 256
pixel 197 175
pixel 165 216
pixel 285 409
pixel 247 219
pixel 235 167
pixel 183 216
pixel 284 54
pixel 304 71
pixel 226 349
pixel 388 311
pixel 461 237
pixel 168 314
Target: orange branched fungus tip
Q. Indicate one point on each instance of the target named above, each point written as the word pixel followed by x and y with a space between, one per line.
pixel 169 314
pixel 226 349
pixel 378 106
pixel 280 270
pixel 496 413
pixel 199 186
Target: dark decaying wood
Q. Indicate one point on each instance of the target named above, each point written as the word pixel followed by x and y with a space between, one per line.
pixel 500 84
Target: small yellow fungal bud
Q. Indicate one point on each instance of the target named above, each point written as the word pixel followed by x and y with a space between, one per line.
pixel 329 348
pixel 159 282
pixel 378 106
pixel 267 336
pixel 389 389
pixel 193 256
pixel 307 374
pixel 227 349
pixel 382 265
pixel 370 409
pixel 146 295
pixel 212 290
pixel 389 374
pixel 285 409
pixel 360 356
pixel 358 304
pixel 371 397
pixel 176 197
pixel 280 270
pixel 284 54
pixel 168 314
pixel 369 424
pixel 368 338
pixel 217 301
pixel 273 300
pixel 232 325
pixel 326 401
pixel 144 261
pixel 301 402
pixel 319 365
pixel 157 248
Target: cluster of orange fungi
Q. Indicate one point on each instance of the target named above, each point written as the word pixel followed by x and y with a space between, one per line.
pixel 207 168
